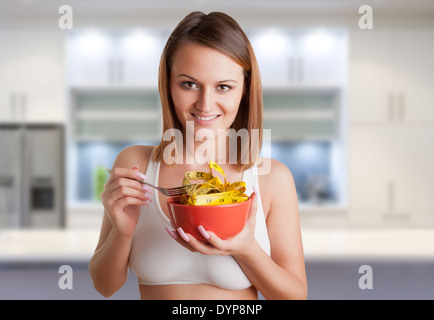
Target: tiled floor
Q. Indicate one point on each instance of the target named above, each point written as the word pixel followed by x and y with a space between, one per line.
pixel 390 280
pixel 327 280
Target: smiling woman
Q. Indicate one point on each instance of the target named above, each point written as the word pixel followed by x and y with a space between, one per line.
pixel 208 77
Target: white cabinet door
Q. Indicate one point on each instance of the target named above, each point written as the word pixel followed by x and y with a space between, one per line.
pixel 301 58
pixel 9 74
pixel 102 59
pixel 322 58
pixel 416 64
pixel 32 77
pixel 90 59
pixel 392 76
pixel 391 171
pixel 139 55
pixel 42 75
pixel 372 76
pixel 414 174
pixel 274 51
pixel 370 165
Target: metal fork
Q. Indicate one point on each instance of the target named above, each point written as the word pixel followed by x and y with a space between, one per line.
pixel 170 192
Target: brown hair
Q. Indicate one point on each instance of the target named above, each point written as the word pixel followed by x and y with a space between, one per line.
pixel 221 32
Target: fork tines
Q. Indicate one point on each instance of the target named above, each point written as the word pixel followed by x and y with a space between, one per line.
pixel 176 191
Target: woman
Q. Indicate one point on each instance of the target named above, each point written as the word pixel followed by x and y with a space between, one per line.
pixel 208 79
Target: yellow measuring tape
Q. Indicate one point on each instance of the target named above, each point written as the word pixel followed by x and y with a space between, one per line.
pixel 212 191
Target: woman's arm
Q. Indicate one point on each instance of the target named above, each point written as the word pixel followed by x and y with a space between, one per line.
pixel 109 264
pixel 282 274
pixel 122 199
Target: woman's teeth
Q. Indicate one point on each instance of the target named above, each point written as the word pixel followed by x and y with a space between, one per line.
pixel 205 118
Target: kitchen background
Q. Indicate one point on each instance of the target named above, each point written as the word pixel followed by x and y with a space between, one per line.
pixel 351 113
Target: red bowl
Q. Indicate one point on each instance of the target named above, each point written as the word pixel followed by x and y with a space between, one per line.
pixel 226 220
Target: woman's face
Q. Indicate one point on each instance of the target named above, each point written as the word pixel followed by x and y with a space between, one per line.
pixel 206 87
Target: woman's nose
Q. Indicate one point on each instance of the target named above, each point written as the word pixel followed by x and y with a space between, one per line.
pixel 205 100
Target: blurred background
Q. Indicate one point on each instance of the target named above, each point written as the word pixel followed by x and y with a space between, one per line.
pixel 350 105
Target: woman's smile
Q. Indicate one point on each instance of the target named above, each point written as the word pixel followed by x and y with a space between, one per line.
pixel 204 120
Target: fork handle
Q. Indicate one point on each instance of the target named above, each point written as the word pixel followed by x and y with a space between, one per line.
pixel 148 184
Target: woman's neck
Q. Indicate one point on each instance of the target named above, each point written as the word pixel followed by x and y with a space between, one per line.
pixel 205 148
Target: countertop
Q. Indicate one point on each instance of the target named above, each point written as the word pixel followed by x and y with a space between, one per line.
pixel 369 244
pixel 47 246
pixel 77 246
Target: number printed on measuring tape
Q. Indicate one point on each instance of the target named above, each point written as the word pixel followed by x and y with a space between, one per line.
pixel 206 189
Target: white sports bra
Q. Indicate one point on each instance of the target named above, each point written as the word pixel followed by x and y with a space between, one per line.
pixel 157 259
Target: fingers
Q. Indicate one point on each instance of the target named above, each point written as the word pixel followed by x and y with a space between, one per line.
pixel 127 201
pixel 127 177
pixel 251 219
pixel 215 245
pixel 132 173
pixel 189 242
pixel 121 186
pixel 176 235
pixel 126 191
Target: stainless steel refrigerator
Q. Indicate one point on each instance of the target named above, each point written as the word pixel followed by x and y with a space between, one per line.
pixel 32 191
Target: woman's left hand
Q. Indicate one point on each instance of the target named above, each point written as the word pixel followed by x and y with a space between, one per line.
pixel 234 246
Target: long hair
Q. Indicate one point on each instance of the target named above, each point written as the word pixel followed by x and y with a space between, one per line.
pixel 218 31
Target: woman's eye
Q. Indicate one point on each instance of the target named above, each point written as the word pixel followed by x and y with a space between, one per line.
pixel 189 85
pixel 224 87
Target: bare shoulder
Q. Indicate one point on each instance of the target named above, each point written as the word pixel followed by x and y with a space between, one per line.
pixel 276 176
pixel 277 186
pixel 136 155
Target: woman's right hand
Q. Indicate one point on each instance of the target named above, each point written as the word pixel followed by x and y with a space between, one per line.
pixel 123 198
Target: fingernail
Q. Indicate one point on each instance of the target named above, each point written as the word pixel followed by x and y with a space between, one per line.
pixel 147 189
pixel 182 234
pixel 140 175
pixel 146 203
pixel 203 232
pixel 171 233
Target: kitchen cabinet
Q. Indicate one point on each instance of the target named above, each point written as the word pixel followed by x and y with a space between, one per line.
pixel 114 58
pixel 302 114
pixel 391 172
pixel 392 76
pixel 391 126
pixel 322 57
pixel 119 114
pixel 416 65
pixel 303 72
pixel 32 76
pixel 301 57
